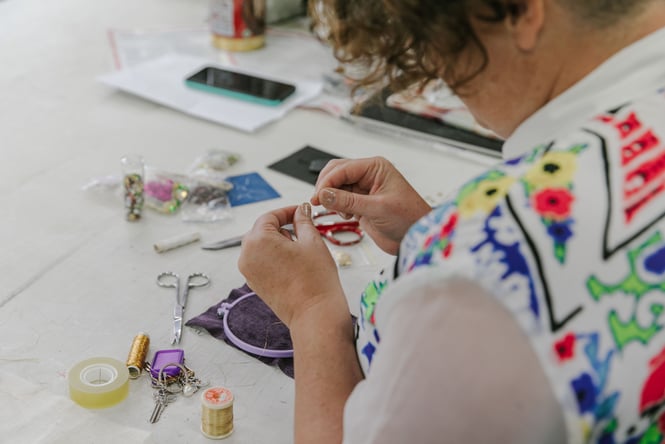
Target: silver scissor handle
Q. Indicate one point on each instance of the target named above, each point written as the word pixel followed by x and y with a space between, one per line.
pixel 197 280
pixel 168 279
pixel 194 280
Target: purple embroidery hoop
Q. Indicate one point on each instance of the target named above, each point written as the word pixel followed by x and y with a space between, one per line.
pixel 224 310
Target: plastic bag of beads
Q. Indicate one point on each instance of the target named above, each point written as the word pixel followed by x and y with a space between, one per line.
pixel 214 160
pixel 208 199
pixel 165 192
pixel 211 167
pixel 207 202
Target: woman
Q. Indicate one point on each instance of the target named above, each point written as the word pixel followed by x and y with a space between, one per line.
pixel 529 307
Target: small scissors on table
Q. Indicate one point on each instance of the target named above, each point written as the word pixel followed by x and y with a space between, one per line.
pixel 172 280
pixel 339 232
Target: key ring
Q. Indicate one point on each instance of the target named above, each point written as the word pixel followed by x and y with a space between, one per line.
pixel 183 371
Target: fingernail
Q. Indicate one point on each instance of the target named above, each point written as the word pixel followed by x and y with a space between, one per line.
pixel 327 197
pixel 306 209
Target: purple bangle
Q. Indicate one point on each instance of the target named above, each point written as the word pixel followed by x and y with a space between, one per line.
pixel 223 310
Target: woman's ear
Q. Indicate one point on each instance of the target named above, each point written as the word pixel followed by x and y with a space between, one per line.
pixel 525 20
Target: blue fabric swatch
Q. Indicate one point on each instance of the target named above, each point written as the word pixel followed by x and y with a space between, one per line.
pixel 250 188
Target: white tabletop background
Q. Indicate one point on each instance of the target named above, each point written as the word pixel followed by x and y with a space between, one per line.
pixel 77 280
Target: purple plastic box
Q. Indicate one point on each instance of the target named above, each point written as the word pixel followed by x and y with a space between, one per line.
pixel 163 358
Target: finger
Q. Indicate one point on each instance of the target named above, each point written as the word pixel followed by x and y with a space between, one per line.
pixel 327 175
pixel 339 173
pixel 330 166
pixel 286 233
pixel 345 203
pixel 303 224
pixel 275 220
pixel 359 176
pixel 345 172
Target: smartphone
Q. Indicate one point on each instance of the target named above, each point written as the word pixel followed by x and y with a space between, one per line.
pixel 240 86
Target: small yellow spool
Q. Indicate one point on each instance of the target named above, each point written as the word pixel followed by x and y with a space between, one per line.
pixel 137 354
pixel 217 413
pixel 238 44
pixel 97 383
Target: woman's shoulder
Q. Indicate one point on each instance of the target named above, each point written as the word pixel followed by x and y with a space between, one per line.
pixel 570 237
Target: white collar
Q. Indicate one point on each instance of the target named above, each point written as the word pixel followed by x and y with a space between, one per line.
pixel 635 71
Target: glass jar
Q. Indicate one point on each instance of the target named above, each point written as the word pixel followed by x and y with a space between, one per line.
pixel 238 25
pixel 132 180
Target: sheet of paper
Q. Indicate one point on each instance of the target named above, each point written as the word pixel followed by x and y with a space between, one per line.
pixel 288 53
pixel 162 80
pixel 30 413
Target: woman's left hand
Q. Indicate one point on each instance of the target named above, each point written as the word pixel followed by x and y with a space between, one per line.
pixel 292 276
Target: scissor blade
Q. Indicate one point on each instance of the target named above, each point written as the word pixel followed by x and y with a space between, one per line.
pixel 177 331
pixel 177 324
pixel 226 243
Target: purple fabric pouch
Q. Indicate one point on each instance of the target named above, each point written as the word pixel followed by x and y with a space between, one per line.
pixel 254 327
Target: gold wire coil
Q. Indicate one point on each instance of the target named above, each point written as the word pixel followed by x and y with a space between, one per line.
pixel 137 354
pixel 217 413
pixel 238 44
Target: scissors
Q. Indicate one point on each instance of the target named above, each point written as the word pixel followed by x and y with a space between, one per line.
pixel 172 280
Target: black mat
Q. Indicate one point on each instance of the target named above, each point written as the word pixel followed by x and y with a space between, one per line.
pixel 304 164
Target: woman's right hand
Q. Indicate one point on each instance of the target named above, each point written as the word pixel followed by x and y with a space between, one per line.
pixel 375 193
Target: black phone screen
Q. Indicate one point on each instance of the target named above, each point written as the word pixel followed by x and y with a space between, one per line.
pixel 242 83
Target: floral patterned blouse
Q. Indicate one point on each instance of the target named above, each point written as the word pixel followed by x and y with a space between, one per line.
pixel 570 238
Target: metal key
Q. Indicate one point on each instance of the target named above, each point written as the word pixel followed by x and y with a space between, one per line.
pixel 162 398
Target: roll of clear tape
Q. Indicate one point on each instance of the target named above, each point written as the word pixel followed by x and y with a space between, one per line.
pixel 98 383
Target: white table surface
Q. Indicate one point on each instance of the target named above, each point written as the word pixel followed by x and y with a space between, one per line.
pixel 76 279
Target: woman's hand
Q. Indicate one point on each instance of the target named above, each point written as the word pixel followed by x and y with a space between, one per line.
pixel 373 191
pixel 298 279
pixel 291 275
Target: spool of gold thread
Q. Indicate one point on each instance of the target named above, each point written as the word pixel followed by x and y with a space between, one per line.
pixel 238 44
pixel 137 355
pixel 217 413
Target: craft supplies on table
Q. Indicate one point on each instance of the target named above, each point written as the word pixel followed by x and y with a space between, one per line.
pixel 91 287
pixel 98 383
pixel 231 242
pixel 133 181
pixel 137 354
pixel 216 413
pixel 336 230
pixel 238 25
pixel 264 350
pixel 169 376
pixel 176 242
pixel 172 280
pixel 244 321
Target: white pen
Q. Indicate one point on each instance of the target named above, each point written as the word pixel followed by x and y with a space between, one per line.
pixel 176 242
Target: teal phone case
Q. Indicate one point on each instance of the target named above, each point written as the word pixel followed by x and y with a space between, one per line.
pixel 232 94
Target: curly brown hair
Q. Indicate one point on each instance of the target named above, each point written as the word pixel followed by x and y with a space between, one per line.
pixel 407 42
